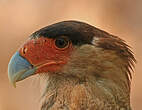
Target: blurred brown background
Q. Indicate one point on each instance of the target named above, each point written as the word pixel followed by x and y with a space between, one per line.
pixel 19 18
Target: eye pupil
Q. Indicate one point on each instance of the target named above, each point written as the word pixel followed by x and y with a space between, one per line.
pixel 61 42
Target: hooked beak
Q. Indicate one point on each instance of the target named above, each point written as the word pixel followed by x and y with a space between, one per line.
pixel 19 68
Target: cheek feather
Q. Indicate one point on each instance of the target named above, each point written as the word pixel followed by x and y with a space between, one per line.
pixel 43 54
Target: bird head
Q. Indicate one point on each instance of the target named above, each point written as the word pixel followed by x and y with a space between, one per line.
pixel 72 48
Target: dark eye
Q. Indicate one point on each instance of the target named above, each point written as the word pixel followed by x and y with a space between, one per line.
pixel 61 42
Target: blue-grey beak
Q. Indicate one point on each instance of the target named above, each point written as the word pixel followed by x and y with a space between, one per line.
pixel 19 69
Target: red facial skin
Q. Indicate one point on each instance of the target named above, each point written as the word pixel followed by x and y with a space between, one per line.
pixel 43 54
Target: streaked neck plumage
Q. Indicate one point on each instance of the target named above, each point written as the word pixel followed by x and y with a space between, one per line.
pixel 88 82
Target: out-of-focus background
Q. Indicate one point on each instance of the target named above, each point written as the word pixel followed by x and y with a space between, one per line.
pixel 19 18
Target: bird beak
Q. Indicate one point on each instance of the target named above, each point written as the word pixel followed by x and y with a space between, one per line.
pixel 19 68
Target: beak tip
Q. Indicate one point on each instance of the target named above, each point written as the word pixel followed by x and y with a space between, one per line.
pixel 14 85
pixel 11 80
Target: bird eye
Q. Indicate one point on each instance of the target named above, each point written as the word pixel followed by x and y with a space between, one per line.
pixel 61 42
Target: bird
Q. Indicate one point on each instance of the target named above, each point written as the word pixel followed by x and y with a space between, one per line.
pixel 80 66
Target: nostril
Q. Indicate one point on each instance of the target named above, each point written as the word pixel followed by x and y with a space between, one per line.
pixel 24 50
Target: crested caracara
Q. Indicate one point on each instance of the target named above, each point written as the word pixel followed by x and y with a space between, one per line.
pixel 81 66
